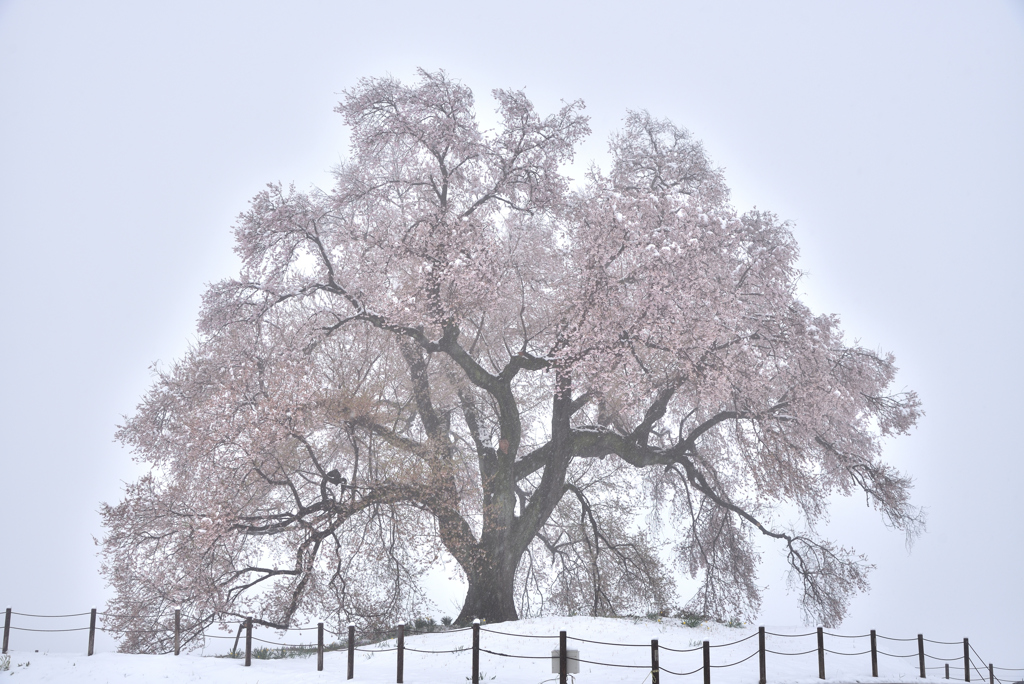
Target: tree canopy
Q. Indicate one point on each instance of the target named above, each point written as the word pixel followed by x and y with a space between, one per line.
pixel 571 389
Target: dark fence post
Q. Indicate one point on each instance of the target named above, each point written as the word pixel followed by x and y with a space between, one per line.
pixel 707 662
pixel 821 654
pixel 763 679
pixel 967 661
pixel 874 654
pixel 655 676
pixel 177 631
pixel 401 652
pixel 248 641
pixel 920 653
pixel 351 651
pixel 947 670
pixel 476 652
pixel 319 647
pixel 563 669
pixel 92 630
pixel 991 674
pixel 7 628
pixel 238 634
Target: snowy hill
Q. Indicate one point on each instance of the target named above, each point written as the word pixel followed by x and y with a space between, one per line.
pixel 526 640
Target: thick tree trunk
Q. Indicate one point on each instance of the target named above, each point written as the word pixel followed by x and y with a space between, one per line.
pixel 490 596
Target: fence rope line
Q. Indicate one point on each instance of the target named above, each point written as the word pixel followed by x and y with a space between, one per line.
pixel 591 662
pixel 895 639
pixel 680 650
pixel 971 661
pixel 848 654
pixel 419 650
pixel 366 637
pixel 738 661
pixel 27 629
pixel 945 643
pixel 277 643
pixel 134 631
pixel 947 660
pixel 977 654
pixel 846 636
pixel 731 643
pixel 51 616
pixel 605 643
pixel 509 655
pixel 893 655
pixel 813 650
pixel 238 622
pixel 680 674
pixel 337 634
pixel 951 668
pixel 441 630
pixel 792 636
pixel 375 650
pixel 528 636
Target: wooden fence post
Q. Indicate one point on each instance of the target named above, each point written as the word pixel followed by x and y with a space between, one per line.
pixel 7 628
pixel 874 654
pixel 401 652
pixel 248 641
pixel 947 670
pixel 319 647
pixel 563 665
pixel 476 652
pixel 92 630
pixel 655 676
pixel 967 661
pixel 763 678
pixel 707 662
pixel 238 635
pixel 177 631
pixel 351 650
pixel 821 653
pixel 991 674
pixel 920 653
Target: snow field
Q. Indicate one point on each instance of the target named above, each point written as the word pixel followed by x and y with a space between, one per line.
pixel 521 639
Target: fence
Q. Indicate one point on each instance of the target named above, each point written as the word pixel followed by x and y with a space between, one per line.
pixel 566 660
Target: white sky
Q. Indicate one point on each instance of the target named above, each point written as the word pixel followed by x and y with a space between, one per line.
pixel 890 133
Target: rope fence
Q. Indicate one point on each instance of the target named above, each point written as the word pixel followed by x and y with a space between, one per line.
pixel 966 664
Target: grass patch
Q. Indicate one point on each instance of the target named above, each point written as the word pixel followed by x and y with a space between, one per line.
pixel 282 652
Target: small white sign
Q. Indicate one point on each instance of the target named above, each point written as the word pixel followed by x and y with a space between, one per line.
pixel 572 662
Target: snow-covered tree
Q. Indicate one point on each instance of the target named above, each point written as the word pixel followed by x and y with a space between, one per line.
pixel 571 390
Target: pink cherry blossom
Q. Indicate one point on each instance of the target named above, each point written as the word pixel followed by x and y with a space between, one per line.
pixel 571 390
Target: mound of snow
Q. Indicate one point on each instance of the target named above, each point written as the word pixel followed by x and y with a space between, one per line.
pixel 622 654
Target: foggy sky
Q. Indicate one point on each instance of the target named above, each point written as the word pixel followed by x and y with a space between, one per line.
pixel 890 133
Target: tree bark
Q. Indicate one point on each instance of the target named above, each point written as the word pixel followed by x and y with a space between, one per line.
pixel 491 595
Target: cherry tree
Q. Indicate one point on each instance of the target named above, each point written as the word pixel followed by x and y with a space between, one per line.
pixel 570 393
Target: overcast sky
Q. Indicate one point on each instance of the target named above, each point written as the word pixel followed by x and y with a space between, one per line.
pixel 890 133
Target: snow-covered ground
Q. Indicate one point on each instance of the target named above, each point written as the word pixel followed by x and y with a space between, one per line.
pixel 455 668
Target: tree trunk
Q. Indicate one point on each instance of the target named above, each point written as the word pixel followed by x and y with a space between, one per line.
pixel 490 597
